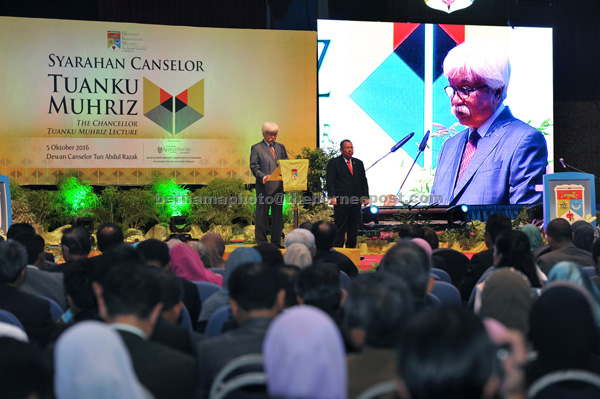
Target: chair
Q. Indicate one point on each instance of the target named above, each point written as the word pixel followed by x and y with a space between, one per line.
pixel 217 270
pixel 55 310
pixel 345 279
pixel 252 362
pixel 377 390
pixel 565 384
pixel 589 270
pixel 184 319
pixel 447 293
pixel 456 264
pixel 241 381
pixel 206 289
pixel 441 275
pixel 9 318
pixel 216 321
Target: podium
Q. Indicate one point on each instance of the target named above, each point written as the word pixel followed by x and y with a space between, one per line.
pixel 569 195
pixel 294 175
pixel 5 211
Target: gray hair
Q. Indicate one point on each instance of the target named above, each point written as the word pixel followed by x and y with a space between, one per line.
pixel 301 236
pixel 483 60
pixel 13 259
pixel 298 255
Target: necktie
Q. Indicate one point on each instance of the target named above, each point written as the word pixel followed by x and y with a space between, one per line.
pixel 350 167
pixel 272 151
pixel 469 152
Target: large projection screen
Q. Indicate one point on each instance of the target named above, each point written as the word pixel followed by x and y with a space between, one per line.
pixel 118 101
pixel 380 81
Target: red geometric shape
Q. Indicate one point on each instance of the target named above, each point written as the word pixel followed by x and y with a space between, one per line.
pixel 164 96
pixel 456 32
pixel 402 31
pixel 183 96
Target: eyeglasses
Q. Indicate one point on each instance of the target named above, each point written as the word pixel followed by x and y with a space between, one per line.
pixel 462 92
pixel 271 134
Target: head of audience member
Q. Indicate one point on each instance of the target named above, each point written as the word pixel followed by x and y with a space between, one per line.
pixel 216 249
pixel 534 235
pixel 254 291
pixel 154 253
pixel 321 287
pixel 92 362
pixel 507 298
pixel 379 306
pixel 202 252
pixel 495 224
pixel 559 232
pixel 324 233
pixel 483 68
pixel 583 235
pixel 512 250
pixel 186 263
pixel 270 254
pixel 287 275
pixel 118 255
pixel 171 294
pixel 109 235
pixel 306 225
pixel 304 356
pixel 301 236
pixel 34 245
pixel 297 254
pixel 78 278
pixel 423 244
pixel 13 263
pixel 75 243
pixel 236 258
pixel 410 262
pixel 563 330
pixel 25 374
pixel 447 353
pixel 431 237
pixel 569 271
pixel 18 228
pixel 130 295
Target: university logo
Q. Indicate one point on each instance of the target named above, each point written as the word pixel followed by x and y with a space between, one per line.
pixel 570 201
pixel 294 174
pixel 114 40
pixel 173 113
pixel 159 149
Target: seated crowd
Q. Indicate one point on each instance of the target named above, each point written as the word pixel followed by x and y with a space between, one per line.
pixel 169 319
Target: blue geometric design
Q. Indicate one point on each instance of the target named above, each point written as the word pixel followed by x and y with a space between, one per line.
pixel 393 97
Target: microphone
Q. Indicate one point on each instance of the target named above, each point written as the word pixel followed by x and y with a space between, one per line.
pixel 423 144
pixel 562 162
pixel 402 142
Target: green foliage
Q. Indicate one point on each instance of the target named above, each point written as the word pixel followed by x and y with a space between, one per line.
pixel 75 198
pixel 467 237
pixel 136 207
pixel 171 199
pixel 109 204
pixel 318 159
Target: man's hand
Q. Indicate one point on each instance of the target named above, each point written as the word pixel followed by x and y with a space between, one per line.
pixel 365 201
pixel 266 178
pixel 333 201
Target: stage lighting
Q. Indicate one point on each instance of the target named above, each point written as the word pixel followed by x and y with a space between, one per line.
pixel 464 208
pixel 369 214
pixel 374 210
pixel 178 221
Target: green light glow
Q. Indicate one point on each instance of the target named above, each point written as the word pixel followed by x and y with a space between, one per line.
pixel 172 199
pixel 76 196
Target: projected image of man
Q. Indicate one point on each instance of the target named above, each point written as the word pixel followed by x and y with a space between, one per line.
pixel 499 159
pixel 269 194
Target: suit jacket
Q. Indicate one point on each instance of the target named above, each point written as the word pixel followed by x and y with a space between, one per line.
pixel 166 373
pixel 568 252
pixel 510 160
pixel 262 164
pixel 369 367
pixel 341 261
pixel 41 282
pixel 480 262
pixel 32 312
pixel 341 183
pixel 214 353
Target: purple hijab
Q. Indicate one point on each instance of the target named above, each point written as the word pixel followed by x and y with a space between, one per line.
pixel 186 263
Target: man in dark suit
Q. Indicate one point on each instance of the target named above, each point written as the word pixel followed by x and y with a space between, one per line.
pixel 129 299
pixel 269 194
pixel 347 188
pixel 560 240
pixel 498 159
pixel 33 312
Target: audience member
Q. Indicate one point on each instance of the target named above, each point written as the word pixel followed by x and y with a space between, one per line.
pixel 109 235
pixel 379 306
pixel 92 362
pixel 129 300
pixel 297 254
pixel 447 353
pixel 560 241
pixel 78 278
pixel 304 356
pixel 512 250
pixel 324 233
pixel 306 225
pixel 33 312
pixel 186 263
pixel 270 254
pixel 480 262
pixel 287 279
pixel 17 228
pixel 431 237
pixel 238 257
pixel 255 298
pixel 583 235
pixel 202 252
pixel 23 372
pixel 75 244
pixel 216 249
pixel 156 253
pixel 301 236
pixel 534 235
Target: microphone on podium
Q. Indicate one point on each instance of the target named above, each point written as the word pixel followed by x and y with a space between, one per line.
pixel 395 148
pixel 422 147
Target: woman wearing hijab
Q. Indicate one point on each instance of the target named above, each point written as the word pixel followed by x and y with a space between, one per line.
pixel 238 257
pixel 534 235
pixel 563 331
pixel 216 248
pixel 304 356
pixel 583 235
pixel 91 362
pixel 186 263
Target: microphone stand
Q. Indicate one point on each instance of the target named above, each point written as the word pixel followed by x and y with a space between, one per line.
pixel 567 167
pixel 395 148
pixel 411 167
